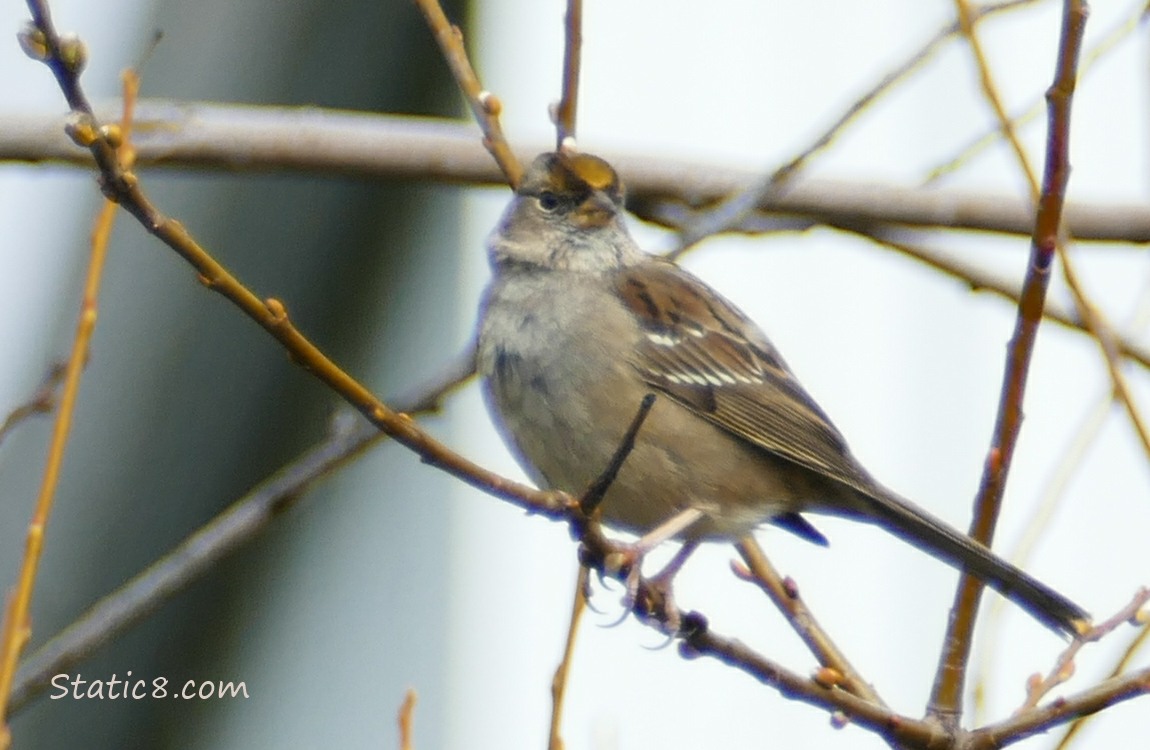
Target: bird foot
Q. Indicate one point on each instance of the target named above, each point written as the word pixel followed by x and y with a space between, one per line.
pixel 649 598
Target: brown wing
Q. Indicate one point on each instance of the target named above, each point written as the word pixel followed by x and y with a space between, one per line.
pixel 702 351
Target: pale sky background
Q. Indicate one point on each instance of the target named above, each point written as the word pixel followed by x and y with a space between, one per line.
pixel 907 362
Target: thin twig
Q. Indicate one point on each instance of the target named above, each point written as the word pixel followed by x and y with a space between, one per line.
pixel 980 280
pixel 17 629
pixel 1120 666
pixel 1106 43
pixel 484 105
pixel 563 671
pixel 1063 668
pixel 784 594
pixel 700 640
pixel 41 402
pixel 565 113
pixel 406 720
pixel 1090 701
pixel 733 209
pixel 946 695
pixel 1103 332
pixel 594 494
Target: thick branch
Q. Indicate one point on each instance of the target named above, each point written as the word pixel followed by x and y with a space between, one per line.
pixel 663 190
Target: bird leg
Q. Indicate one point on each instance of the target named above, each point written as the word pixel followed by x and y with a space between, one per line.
pixel 658 588
pixel 660 596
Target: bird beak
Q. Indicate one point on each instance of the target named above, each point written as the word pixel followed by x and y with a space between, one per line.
pixel 598 210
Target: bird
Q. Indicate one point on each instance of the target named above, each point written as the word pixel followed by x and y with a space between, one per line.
pixel 578 325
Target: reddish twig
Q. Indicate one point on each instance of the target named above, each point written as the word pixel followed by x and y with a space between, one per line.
pixel 946 695
pixel 1134 648
pixel 41 402
pixel 572 63
pixel 1090 701
pixel 1038 686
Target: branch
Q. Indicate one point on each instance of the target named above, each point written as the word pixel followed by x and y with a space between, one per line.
pixel 1131 651
pixel 732 210
pixel 202 135
pixel 41 402
pixel 1090 701
pixel 784 594
pixel 69 57
pixel 406 720
pixel 701 641
pixel 572 62
pixel 981 280
pixel 946 696
pixel 559 680
pixel 1063 669
pixel 484 105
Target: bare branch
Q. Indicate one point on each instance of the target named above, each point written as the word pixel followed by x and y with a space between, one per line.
pixel 733 209
pixel 667 191
pixel 41 402
pixel 784 594
pixel 981 280
pixel 1092 700
pixel 565 113
pixel 946 696
pixel 484 104
pixel 1063 669
pixel 559 680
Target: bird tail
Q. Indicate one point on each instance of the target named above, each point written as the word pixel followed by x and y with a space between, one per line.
pixel 938 539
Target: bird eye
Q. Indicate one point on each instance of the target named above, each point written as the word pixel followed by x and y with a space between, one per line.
pixel 548 201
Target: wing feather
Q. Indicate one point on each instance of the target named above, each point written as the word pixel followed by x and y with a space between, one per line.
pixel 704 353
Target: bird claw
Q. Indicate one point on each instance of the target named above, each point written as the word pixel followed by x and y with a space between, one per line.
pixel 649 598
pixel 658 602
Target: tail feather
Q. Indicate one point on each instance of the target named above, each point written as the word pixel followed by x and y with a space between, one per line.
pixel 940 540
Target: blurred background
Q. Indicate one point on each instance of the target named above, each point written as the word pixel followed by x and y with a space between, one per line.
pixel 391 575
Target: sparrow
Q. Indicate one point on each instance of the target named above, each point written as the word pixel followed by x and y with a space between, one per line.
pixel 578 325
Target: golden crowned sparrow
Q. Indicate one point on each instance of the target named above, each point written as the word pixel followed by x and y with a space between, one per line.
pixel 578 324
